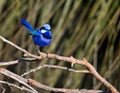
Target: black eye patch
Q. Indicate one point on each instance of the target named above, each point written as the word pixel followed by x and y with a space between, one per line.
pixel 43 28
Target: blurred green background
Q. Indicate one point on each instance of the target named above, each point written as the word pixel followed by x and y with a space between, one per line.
pixel 81 28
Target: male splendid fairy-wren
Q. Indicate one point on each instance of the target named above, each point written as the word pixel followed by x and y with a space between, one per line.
pixel 42 36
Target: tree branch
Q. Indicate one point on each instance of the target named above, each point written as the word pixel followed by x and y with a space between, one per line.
pixel 37 84
pixel 13 85
pixel 56 67
pixel 17 78
pixel 28 82
pixel 71 60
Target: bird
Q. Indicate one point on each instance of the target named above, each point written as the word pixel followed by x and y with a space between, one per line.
pixel 42 36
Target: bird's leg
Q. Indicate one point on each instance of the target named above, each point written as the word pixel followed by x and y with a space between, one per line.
pixel 37 49
pixel 43 50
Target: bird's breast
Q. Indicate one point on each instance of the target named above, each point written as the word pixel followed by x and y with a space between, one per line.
pixel 41 40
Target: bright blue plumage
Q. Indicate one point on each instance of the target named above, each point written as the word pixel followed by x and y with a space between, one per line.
pixel 42 36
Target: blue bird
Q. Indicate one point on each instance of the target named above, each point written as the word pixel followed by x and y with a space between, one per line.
pixel 42 36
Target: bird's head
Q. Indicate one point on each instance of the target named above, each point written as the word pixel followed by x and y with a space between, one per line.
pixel 45 28
pixel 46 31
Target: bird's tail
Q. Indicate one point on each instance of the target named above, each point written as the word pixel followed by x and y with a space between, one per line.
pixel 27 26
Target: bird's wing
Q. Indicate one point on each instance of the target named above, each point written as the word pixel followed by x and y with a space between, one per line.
pixel 27 25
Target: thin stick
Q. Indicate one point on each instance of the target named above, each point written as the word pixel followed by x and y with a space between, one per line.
pixel 16 61
pixel 19 48
pixel 8 63
pixel 13 85
pixel 56 67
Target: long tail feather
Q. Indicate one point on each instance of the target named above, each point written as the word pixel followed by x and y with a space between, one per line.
pixel 27 25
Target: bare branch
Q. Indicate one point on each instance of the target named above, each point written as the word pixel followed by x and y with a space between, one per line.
pixel 25 82
pixel 8 63
pixel 71 60
pixel 16 61
pixel 13 85
pixel 37 84
pixel 56 67
pixel 17 78
pixel 19 48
